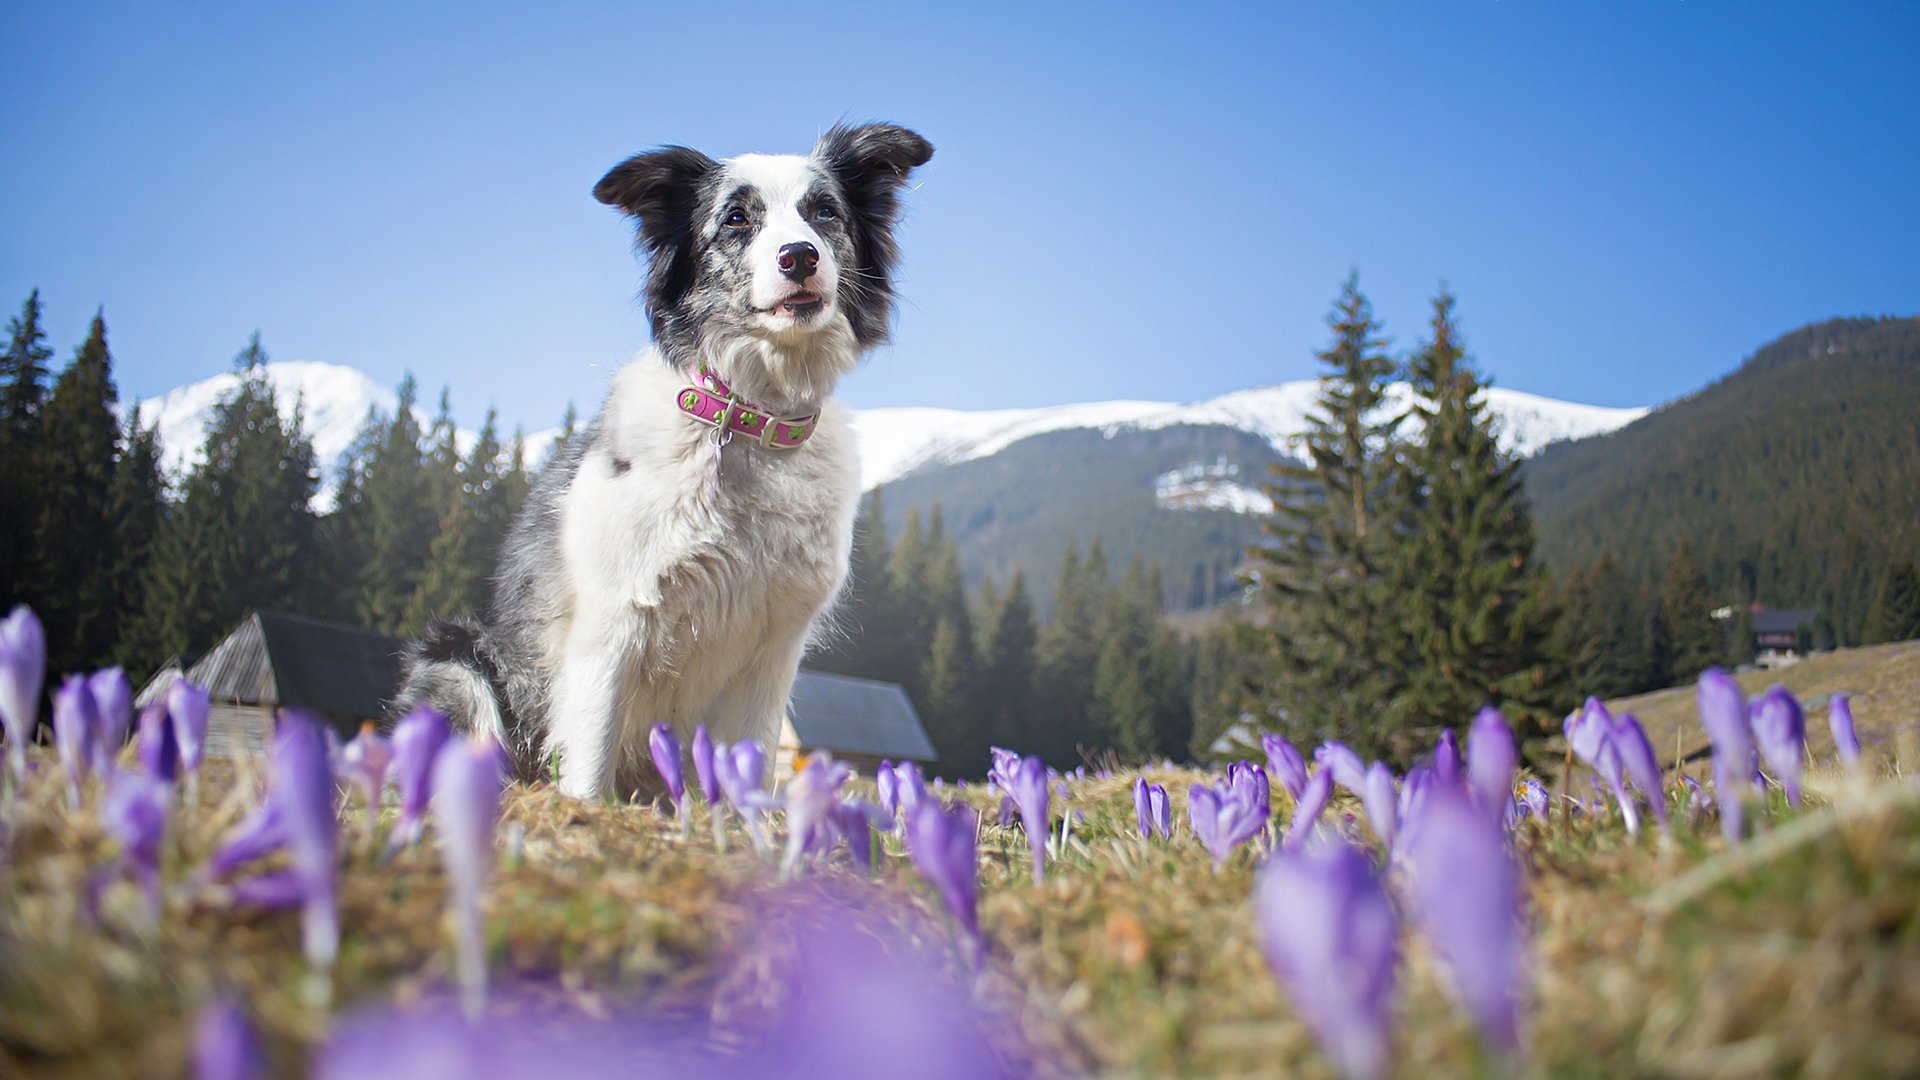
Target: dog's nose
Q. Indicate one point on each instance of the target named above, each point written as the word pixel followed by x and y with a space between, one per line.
pixel 798 261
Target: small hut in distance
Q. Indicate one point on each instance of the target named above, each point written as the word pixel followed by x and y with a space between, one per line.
pixel 273 661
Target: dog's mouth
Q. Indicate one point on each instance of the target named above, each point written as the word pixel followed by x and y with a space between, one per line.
pixel 802 305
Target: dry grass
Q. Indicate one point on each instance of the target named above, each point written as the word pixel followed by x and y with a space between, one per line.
pixel 1131 958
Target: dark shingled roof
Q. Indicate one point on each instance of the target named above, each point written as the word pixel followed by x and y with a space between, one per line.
pixel 288 661
pixel 1781 620
pixel 846 715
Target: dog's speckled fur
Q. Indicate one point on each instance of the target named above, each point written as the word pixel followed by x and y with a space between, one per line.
pixel 652 576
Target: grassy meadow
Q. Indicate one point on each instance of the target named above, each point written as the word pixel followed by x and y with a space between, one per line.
pixel 1797 953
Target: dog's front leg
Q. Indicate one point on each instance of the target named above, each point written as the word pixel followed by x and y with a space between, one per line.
pixel 584 724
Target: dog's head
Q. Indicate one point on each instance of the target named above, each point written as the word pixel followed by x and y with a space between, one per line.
pixel 774 249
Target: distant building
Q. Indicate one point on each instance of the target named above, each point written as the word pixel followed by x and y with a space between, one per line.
pixel 272 662
pixel 1778 638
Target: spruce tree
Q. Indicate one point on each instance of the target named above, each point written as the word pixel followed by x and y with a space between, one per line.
pixel 1007 671
pixel 391 524
pixel 952 672
pixel 1894 614
pixel 1472 622
pixel 23 392
pixel 1122 704
pixel 454 579
pixel 911 638
pixel 1686 642
pixel 1066 657
pixel 77 453
pixel 139 508
pixel 243 535
pixel 1329 612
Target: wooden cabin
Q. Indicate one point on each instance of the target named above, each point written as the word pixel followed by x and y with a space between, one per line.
pixel 859 721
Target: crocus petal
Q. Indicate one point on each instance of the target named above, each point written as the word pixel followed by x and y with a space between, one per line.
pixel 1780 728
pixel 467 780
pixel 703 770
pixel 1845 740
pixel 1466 890
pixel 1640 765
pixel 417 740
pixel 302 778
pixel 75 727
pixel 1446 757
pixel 1723 712
pixel 1030 786
pixel 189 705
pixel 1381 802
pixel 225 1046
pixel 1328 933
pixel 135 814
pixel 1347 768
pixel 113 708
pixel 1284 764
pixel 1142 808
pixel 1313 799
pixel 941 843
pixel 158 746
pixel 23 671
pixel 664 746
pixel 1160 809
pixel 1492 756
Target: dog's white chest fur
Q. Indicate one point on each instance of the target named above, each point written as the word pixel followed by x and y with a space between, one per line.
pixel 696 575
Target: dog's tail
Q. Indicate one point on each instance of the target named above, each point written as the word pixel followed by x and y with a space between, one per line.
pixel 449 669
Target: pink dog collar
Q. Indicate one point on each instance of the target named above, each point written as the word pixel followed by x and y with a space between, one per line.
pixel 712 403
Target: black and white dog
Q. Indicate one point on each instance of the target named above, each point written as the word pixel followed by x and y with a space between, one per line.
pixel 673 561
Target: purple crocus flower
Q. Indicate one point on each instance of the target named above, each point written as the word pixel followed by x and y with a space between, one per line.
pixel 1492 755
pixel 113 711
pixel 225 1046
pixel 159 745
pixel 188 705
pixel 1345 765
pixel 741 769
pixel 1142 807
pixel 1534 795
pixel 1781 730
pixel 1590 733
pixel 1029 793
pixel 1723 712
pixel 1223 817
pixel 134 812
pixel 1699 803
pixel 302 779
pixel 887 789
pixel 664 746
pixel 1284 764
pixel 1638 762
pixel 703 770
pixel 417 740
pixel 1328 933
pixel 1250 781
pixel 468 776
pixel 363 763
pixel 1446 757
pixel 941 843
pixel 1840 719
pixel 856 820
pixel 1381 803
pixel 910 787
pixel 1313 799
pixel 1466 890
pixel 75 727
pixel 1159 809
pixel 23 671
pixel 812 795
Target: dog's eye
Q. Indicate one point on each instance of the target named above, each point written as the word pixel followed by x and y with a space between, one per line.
pixel 825 214
pixel 736 219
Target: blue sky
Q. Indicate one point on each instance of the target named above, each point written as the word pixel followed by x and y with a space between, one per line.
pixel 1126 201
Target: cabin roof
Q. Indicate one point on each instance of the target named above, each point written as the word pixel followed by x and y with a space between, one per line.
pixel 293 662
pixel 846 715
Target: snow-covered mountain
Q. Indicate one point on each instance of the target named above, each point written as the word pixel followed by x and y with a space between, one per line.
pixel 335 400
pixel 895 442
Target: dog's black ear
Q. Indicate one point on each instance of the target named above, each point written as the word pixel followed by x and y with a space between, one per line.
pixel 659 188
pixel 872 161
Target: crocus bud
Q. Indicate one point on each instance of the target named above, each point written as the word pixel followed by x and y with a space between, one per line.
pixel 1142 808
pixel 75 727
pixel 1640 765
pixel 1723 712
pixel 467 780
pixel 302 779
pixel 1223 818
pixel 23 671
pixel 1466 891
pixel 1381 802
pixel 364 763
pixel 1781 730
pixel 113 709
pixel 189 705
pixel 941 843
pixel 225 1046
pixel 134 812
pixel 159 747
pixel 1840 719
pixel 1030 795
pixel 417 740
pixel 703 766
pixel 664 746
pixel 1345 765
pixel 1329 936
pixel 1313 799
pixel 1492 755
pixel 1284 764
pixel 1446 757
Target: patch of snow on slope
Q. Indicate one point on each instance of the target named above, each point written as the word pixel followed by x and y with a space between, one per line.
pixel 1217 486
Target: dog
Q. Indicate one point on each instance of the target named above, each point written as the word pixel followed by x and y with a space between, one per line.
pixel 675 559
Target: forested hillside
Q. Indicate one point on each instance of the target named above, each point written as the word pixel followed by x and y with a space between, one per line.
pixel 1795 480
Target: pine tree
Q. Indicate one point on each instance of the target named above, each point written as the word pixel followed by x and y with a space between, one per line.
pixel 391 524
pixel 1007 670
pixel 1066 656
pixel 75 464
pixel 1685 639
pixel 903 658
pixel 1472 621
pixel 952 672
pixel 1894 614
pixel 1122 706
pixel 454 579
pixel 243 535
pixel 1329 609
pixel 23 392
pixel 139 508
